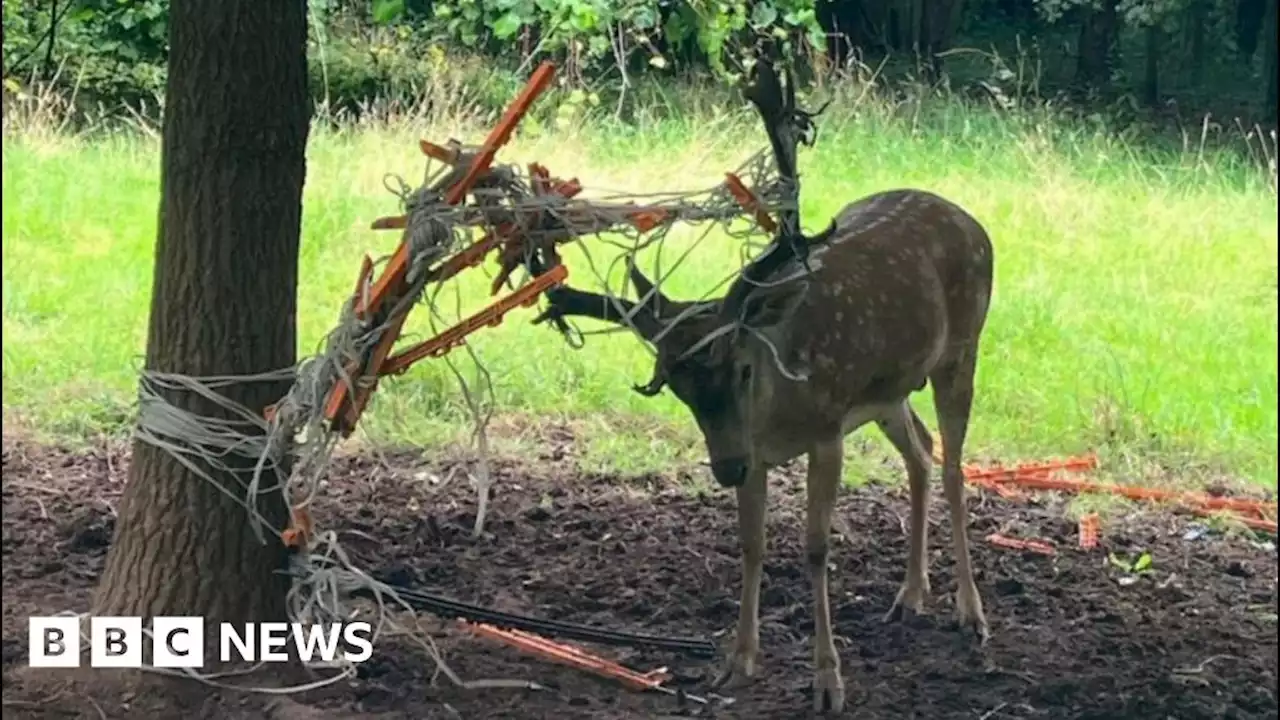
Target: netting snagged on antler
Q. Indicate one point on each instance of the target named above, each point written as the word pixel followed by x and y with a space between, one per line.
pixel 300 436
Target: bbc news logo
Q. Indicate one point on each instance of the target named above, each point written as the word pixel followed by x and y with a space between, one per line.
pixel 179 642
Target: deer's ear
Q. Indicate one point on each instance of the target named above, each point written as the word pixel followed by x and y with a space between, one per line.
pixel 771 306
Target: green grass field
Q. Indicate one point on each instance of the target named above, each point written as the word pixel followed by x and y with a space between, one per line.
pixel 1134 314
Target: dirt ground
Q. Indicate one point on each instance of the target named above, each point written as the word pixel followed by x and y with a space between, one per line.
pixel 1194 638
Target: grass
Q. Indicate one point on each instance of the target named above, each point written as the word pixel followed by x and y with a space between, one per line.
pixel 1134 314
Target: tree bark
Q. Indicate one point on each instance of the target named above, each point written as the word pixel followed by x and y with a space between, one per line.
pixel 1151 76
pixel 1097 34
pixel 1198 18
pixel 941 23
pixel 1272 64
pixel 1250 15
pixel 224 301
pixel 852 28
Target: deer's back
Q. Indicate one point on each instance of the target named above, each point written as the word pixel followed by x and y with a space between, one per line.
pixel 904 287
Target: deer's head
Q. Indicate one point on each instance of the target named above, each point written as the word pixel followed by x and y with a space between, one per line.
pixel 724 378
pixel 723 359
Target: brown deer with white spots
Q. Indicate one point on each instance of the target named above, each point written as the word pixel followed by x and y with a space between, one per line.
pixel 897 296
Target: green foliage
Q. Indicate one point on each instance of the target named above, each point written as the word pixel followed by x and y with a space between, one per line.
pixel 107 49
pixel 611 32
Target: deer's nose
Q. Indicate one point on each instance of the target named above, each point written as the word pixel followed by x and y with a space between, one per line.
pixel 730 472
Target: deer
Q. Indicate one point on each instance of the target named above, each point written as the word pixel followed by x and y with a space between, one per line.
pixel 895 296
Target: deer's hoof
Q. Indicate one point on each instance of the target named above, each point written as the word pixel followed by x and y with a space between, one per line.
pixel 828 691
pixel 741 669
pixel 969 616
pixel 909 602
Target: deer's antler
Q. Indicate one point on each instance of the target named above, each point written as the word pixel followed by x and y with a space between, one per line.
pixel 565 301
pixel 644 316
pixel 786 126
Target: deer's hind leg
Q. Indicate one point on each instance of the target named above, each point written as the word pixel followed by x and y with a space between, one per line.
pixel 953 397
pixel 911 439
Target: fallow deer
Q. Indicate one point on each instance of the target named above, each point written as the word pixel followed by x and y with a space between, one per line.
pixel 898 297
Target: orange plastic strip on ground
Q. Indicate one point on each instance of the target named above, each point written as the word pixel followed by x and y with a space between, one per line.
pixel 749 202
pixel 1088 526
pixel 489 317
pixel 1200 500
pixel 570 655
pixel 1036 546
pixel 1255 523
pixel 1039 476
pixel 1027 472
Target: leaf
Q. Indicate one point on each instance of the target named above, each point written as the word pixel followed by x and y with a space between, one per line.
pixel 764 14
pixel 506 26
pixel 1143 563
pixel 387 11
pixel 584 18
pixel 1122 564
pixel 645 17
pixel 597 45
pixel 658 61
pixel 817 37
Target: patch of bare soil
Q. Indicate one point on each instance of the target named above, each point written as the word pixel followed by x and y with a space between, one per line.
pixel 1195 638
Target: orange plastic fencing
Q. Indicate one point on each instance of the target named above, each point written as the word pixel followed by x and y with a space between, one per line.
pixel 749 202
pixel 1036 546
pixel 570 655
pixel 345 403
pixel 1088 527
pixel 1013 482
pixel 491 316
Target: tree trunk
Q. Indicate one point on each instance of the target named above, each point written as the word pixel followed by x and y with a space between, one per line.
pixel 1097 34
pixel 1250 16
pixel 224 301
pixel 1198 19
pixel 1272 64
pixel 852 28
pixel 1151 77
pixel 941 23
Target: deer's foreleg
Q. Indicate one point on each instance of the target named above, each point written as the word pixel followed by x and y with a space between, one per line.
pixel 744 659
pixel 825 465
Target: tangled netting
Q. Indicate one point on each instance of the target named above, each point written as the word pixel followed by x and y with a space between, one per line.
pixel 299 437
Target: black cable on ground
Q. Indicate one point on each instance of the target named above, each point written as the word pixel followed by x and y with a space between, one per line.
pixel 447 608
